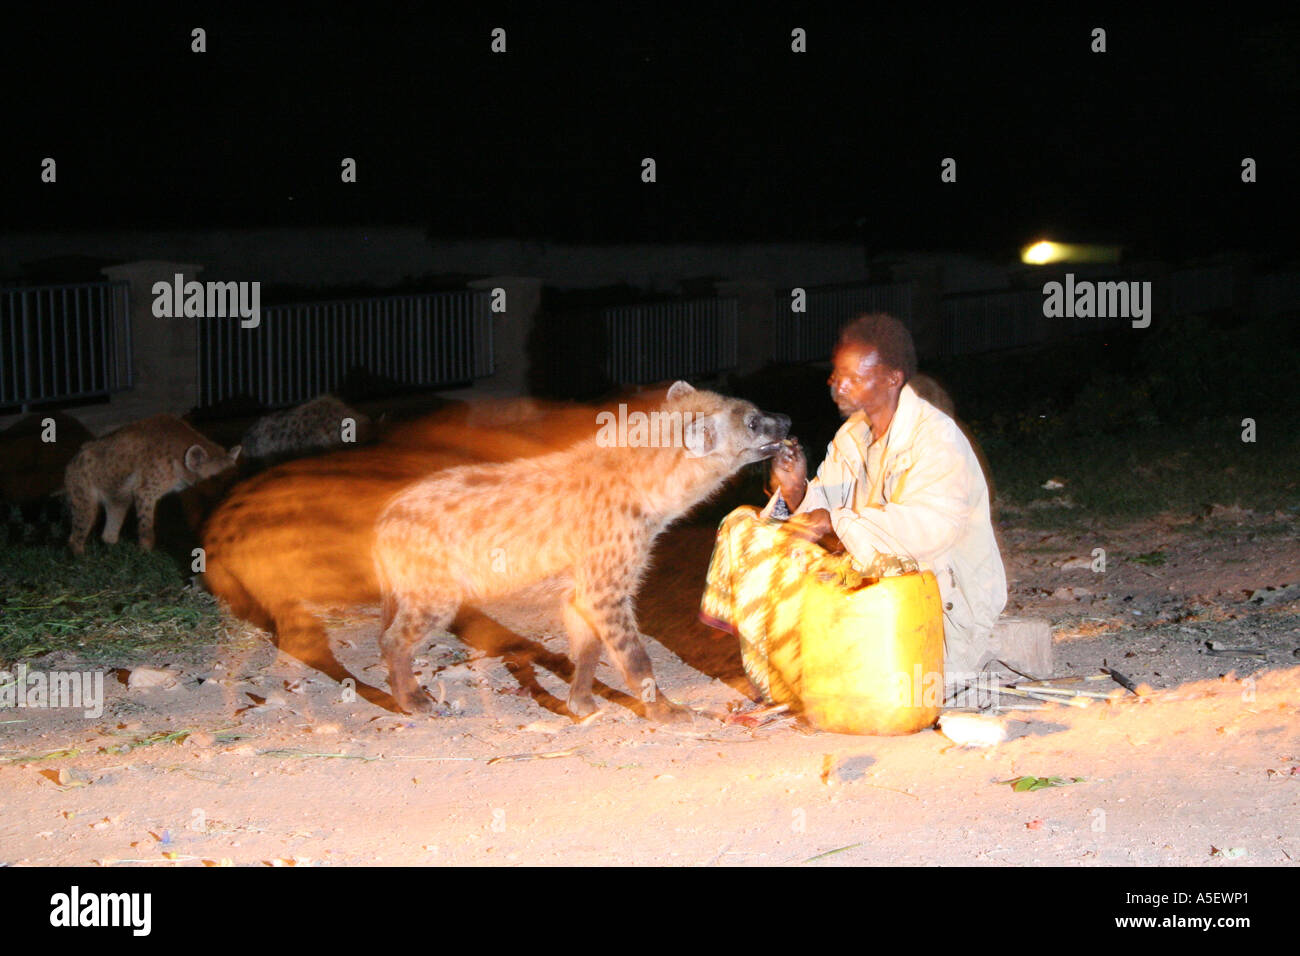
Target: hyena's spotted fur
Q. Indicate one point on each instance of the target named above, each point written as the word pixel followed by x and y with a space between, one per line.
pixel 317 425
pixel 137 464
pixel 582 520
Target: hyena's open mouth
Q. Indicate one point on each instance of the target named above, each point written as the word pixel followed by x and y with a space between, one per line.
pixel 777 428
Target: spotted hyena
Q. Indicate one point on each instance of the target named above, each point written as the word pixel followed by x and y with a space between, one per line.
pixel 318 425
pixel 582 520
pixel 297 538
pixel 137 464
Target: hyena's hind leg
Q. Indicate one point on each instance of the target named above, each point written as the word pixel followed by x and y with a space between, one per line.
pixel 408 621
pixel 114 514
pixel 83 506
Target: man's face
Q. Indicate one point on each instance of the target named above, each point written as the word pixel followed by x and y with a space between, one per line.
pixel 860 383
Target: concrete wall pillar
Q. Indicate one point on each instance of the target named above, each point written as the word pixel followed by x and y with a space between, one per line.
pixel 164 352
pixel 927 310
pixel 510 333
pixel 756 320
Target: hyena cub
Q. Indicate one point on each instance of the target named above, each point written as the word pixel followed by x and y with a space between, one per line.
pixel 318 425
pixel 582 520
pixel 137 464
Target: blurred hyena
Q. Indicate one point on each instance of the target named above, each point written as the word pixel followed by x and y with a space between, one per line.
pixel 582 520
pixel 933 392
pixel 318 425
pixel 137 464
pixel 298 537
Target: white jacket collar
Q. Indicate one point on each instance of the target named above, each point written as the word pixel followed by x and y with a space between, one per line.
pixel 902 425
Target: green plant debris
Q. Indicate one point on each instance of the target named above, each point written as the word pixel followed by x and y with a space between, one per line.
pixel 308 754
pixel 1099 468
pixel 572 751
pixel 1028 784
pixel 839 849
pixel 62 754
pixel 160 737
pixel 1151 558
pixel 109 604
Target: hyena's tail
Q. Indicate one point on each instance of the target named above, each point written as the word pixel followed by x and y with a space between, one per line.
pixel 388 611
pixel 387 593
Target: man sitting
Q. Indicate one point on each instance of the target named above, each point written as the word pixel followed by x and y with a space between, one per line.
pixel 899 481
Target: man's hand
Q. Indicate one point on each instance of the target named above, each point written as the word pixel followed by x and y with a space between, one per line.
pixel 811 525
pixel 790 473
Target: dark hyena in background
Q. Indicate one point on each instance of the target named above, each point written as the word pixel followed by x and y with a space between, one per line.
pixel 318 425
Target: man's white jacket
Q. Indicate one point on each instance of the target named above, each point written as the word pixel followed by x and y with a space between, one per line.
pixel 919 491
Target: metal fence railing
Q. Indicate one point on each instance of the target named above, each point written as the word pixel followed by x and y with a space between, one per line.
pixel 299 351
pixel 991 321
pixel 655 341
pixel 811 336
pixel 66 341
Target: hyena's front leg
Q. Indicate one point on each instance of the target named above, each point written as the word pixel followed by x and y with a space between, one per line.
pixel 411 622
pixel 144 515
pixel 584 648
pixel 615 622
pixel 83 506
pixel 83 502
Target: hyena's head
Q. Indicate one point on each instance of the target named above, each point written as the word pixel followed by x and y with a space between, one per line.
pixel 204 461
pixel 730 431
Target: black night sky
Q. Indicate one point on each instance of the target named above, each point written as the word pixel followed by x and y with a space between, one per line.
pixel 1140 145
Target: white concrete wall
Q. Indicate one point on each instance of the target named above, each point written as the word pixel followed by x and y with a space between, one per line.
pixel 387 254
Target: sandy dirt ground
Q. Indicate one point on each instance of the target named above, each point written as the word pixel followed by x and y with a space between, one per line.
pixel 251 758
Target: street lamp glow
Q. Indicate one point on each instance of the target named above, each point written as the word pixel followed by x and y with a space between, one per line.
pixel 1044 252
pixel 1040 253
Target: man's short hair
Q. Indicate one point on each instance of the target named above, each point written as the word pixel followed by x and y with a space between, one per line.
pixel 888 336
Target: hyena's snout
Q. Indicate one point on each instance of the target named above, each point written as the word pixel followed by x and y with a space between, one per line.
pixel 771 430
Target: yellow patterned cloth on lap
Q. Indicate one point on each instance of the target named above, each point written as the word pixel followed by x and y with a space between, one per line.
pixel 755 589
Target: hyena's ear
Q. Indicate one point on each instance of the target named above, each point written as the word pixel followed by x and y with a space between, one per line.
pixel 700 435
pixel 195 457
pixel 234 452
pixel 680 390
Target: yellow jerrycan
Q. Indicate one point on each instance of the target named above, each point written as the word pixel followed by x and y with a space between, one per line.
pixel 871 659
